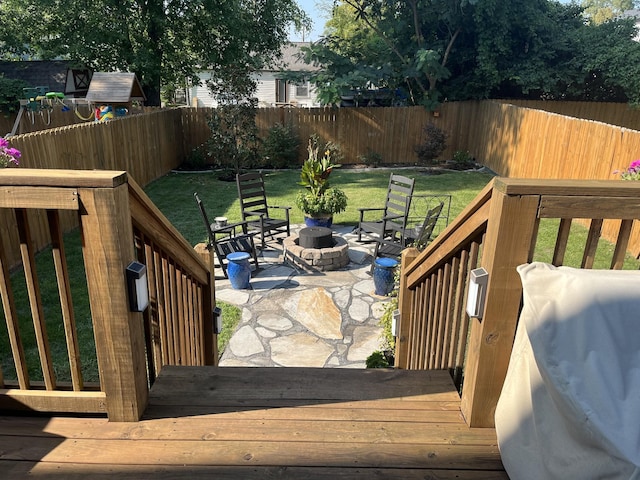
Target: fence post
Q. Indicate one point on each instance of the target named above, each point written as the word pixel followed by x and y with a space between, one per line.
pixel 510 231
pixel 108 248
pixel 404 305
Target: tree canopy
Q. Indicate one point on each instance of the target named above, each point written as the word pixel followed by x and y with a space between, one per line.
pixel 163 41
pixel 600 11
pixel 424 52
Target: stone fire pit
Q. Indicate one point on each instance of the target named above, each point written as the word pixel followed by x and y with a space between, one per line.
pixel 316 249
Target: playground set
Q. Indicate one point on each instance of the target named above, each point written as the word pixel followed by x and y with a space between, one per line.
pixel 110 95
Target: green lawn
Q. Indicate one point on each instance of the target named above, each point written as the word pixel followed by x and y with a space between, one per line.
pixel 173 194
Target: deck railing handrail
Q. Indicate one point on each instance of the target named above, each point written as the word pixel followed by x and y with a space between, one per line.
pixel 498 231
pixel 118 224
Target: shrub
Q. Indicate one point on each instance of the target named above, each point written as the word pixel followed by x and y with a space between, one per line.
pixel 280 148
pixel 377 360
pixel 371 158
pixel 433 145
pixel 462 159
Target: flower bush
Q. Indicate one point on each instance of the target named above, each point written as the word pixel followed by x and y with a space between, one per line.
pixel 8 155
pixel 632 172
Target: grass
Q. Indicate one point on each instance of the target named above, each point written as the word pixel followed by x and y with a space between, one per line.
pixel 173 194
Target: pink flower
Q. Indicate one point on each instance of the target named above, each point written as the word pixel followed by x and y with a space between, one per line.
pixel 3 143
pixel 14 152
pixel 635 165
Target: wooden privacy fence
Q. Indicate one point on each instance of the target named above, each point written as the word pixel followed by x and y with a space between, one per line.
pixel 620 114
pixel 512 141
pixel 498 231
pixel 523 143
pixel 146 146
pixel 118 224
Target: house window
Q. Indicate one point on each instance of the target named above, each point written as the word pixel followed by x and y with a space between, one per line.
pixel 302 90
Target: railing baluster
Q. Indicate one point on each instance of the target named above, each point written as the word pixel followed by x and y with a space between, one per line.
pixel 592 243
pixel 11 317
pixel 35 299
pixel 561 241
pixel 66 303
pixel 622 243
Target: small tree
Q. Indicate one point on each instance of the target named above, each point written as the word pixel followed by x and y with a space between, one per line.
pixel 234 142
pixel 432 147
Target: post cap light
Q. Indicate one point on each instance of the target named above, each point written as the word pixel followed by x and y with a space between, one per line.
pixel 478 279
pixel 137 287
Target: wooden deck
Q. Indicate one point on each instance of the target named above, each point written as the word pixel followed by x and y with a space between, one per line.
pixel 257 423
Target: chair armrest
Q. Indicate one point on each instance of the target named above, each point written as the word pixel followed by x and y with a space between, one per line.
pixel 370 209
pixel 367 209
pixel 280 206
pixel 249 213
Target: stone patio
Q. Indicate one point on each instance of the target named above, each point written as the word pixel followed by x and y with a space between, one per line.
pixel 294 318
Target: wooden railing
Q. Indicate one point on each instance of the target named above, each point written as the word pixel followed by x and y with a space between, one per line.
pixel 118 224
pixel 499 231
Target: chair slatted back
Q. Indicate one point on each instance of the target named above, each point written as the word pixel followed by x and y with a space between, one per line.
pixel 252 195
pixel 398 202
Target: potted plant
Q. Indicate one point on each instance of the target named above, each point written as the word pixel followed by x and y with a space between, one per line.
pixel 318 200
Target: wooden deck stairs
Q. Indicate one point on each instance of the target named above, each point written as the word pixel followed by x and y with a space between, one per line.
pixel 257 423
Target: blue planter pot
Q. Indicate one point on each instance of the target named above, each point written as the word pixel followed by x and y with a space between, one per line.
pixel 318 221
pixel 383 278
pixel 239 270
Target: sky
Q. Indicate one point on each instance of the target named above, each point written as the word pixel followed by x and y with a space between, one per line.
pixel 315 11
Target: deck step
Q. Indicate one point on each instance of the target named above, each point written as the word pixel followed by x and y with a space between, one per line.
pixel 251 423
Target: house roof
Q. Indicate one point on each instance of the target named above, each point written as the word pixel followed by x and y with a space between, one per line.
pixel 114 87
pixel 55 75
pixel 39 73
pixel 290 60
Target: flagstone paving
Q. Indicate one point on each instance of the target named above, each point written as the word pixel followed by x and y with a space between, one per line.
pixel 292 318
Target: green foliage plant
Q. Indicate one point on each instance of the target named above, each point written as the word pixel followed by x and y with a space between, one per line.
pixel 10 94
pixel 462 159
pixel 434 144
pixel 377 360
pixel 371 158
pixel 280 148
pixel 318 198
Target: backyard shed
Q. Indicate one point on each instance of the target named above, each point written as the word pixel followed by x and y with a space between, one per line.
pixel 114 88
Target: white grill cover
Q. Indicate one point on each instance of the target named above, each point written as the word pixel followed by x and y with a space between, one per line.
pixel 570 405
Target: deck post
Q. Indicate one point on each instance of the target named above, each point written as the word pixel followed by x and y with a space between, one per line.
pixel 209 302
pixel 108 248
pixel 404 305
pixel 510 230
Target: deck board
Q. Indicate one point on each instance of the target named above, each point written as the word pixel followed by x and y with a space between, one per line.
pixel 235 422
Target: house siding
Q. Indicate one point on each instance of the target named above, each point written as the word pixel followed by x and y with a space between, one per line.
pixel 200 96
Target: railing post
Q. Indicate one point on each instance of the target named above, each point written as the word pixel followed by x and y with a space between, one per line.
pixel 108 248
pixel 209 301
pixel 404 305
pixel 510 231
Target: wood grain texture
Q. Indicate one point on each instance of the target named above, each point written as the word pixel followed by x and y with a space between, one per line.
pixel 235 422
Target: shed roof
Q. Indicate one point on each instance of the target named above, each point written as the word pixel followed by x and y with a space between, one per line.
pixel 114 87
